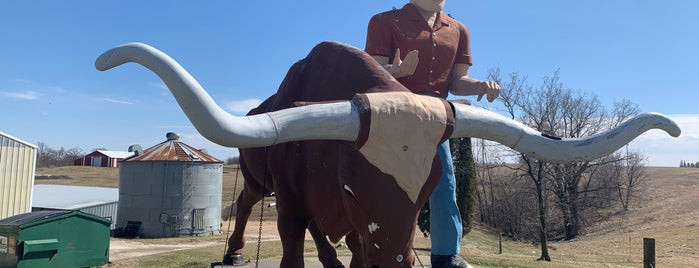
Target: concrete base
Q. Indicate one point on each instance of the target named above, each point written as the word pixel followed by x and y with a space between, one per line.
pixel 310 262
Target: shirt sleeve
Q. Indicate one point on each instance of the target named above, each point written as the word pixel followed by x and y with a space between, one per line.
pixel 463 52
pixel 378 38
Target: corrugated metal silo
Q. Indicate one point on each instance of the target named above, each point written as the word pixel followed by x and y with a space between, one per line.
pixel 17 165
pixel 172 189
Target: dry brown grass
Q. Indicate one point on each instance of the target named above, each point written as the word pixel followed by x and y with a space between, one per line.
pixel 79 175
pixel 669 212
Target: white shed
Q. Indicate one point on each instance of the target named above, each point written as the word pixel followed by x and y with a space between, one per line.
pixel 17 165
pixel 98 201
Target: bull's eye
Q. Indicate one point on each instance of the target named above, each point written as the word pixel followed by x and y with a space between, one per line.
pixel 399 258
pixel 405 148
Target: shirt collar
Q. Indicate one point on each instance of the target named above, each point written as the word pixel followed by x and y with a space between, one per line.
pixel 413 14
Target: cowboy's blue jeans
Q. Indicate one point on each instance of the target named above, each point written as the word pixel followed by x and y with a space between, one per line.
pixel 445 219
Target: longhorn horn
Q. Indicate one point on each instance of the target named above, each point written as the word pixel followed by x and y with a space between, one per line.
pixel 484 124
pixel 340 120
pixel 335 121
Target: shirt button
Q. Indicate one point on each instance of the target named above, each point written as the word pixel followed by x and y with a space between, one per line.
pixel 434 34
pixel 434 45
pixel 433 58
pixel 431 71
pixel 430 83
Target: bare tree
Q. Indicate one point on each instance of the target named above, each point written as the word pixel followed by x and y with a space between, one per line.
pixel 42 154
pixel 631 183
pixel 232 160
pixel 485 182
pixel 581 115
pixel 70 155
pixel 578 187
pixel 519 105
pixel 49 157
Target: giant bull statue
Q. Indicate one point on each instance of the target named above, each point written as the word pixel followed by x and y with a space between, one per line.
pixel 348 148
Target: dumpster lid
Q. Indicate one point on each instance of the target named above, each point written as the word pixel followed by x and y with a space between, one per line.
pixel 25 218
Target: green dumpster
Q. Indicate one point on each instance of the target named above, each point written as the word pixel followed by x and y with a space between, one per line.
pixel 54 239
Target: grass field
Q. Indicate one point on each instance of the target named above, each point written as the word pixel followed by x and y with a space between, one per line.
pixel 669 213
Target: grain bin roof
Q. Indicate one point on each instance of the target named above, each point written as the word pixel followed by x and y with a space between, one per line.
pixel 72 197
pixel 173 150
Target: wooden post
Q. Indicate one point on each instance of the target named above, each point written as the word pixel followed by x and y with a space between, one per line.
pixel 628 258
pixel 648 253
pixel 500 243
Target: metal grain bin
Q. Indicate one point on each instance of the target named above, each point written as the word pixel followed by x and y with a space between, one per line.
pixel 170 190
pixel 54 239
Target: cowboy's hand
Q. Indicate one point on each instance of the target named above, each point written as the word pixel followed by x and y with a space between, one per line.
pixel 490 88
pixel 400 68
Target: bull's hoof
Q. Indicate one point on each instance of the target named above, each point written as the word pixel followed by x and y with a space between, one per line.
pixel 337 266
pixel 448 261
pixel 233 259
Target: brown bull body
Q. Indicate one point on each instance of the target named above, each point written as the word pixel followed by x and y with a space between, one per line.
pixel 330 183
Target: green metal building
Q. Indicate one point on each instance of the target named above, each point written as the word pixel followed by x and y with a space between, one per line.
pixel 54 239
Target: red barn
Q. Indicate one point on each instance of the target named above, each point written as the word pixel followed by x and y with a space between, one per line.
pixel 102 158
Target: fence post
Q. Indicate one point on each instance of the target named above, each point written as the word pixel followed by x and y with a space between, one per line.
pixel 500 243
pixel 648 253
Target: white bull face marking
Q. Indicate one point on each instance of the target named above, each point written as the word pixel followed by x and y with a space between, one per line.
pixel 373 227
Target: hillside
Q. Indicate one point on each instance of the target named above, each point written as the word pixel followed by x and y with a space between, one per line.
pixel 668 212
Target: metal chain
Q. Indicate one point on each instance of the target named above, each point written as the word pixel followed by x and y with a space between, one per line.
pixel 262 209
pixel 228 229
pixel 259 233
pixel 418 258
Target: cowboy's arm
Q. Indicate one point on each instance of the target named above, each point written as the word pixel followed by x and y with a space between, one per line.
pixel 463 85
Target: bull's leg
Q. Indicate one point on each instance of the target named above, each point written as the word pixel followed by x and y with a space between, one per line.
pixel 246 200
pixel 326 253
pixel 292 231
pixel 356 245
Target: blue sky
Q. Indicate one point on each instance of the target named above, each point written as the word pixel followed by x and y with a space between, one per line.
pixel 641 50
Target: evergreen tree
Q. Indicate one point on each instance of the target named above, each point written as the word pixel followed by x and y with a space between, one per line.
pixel 465 172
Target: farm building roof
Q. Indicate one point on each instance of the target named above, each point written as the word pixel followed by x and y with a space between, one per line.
pixel 17 139
pixel 72 197
pixel 116 154
pixel 172 150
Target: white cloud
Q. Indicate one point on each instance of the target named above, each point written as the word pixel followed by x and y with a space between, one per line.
pixel 119 101
pixel 162 88
pixel 243 106
pixel 664 150
pixel 25 95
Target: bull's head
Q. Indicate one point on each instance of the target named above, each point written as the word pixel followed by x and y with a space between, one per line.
pixel 340 121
